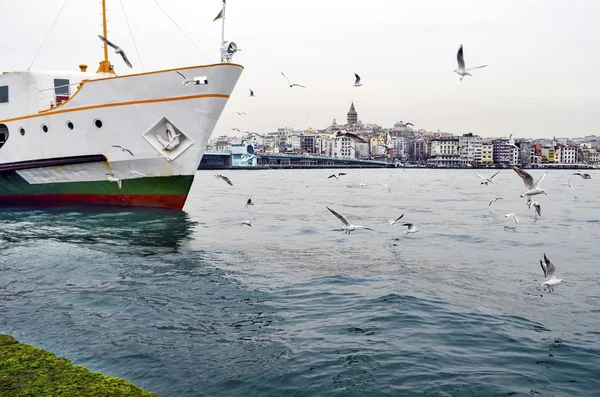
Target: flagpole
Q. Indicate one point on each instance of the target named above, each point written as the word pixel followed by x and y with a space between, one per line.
pixel 223 24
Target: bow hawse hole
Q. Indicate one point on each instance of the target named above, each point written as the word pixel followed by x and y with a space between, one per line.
pixel 3 134
pixel 44 128
pixel 98 123
pixel 70 125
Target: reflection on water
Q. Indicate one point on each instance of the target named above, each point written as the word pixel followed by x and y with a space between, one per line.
pixel 103 226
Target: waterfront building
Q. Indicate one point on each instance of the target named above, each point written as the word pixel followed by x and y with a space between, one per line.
pixel 487 154
pixel 501 153
pixel 470 149
pixel 566 154
pixel 548 154
pixel 443 152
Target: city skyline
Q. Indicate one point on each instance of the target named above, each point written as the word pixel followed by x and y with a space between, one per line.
pixel 539 81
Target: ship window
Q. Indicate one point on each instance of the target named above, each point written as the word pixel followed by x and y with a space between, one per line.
pixel 4 94
pixel 3 134
pixel 61 87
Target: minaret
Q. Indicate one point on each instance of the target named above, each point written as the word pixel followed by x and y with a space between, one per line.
pixel 352 115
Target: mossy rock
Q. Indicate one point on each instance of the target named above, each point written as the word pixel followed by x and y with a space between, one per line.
pixel 28 371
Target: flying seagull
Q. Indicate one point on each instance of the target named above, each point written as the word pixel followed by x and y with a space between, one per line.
pixel 112 178
pixel 290 82
pixel 336 176
pixel 363 184
pixel 569 183
pixel 240 113
pixel 511 214
pixel 245 223
pixel 251 92
pixel 186 81
pixel 249 202
pixel 388 188
pixel 462 71
pixel 219 175
pixel 487 180
pixel 411 228
pixel 583 175
pixel 118 50
pixel 347 226
pixel 537 206
pixel 357 81
pixel 395 221
pixel 236 129
pixel 134 172
pixel 123 149
pixel 533 187
pixel 312 111
pixel 494 200
pixel 549 274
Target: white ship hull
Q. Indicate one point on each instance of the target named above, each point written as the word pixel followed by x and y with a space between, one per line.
pixel 68 154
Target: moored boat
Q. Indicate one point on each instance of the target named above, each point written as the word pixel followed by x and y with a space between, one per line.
pixel 95 138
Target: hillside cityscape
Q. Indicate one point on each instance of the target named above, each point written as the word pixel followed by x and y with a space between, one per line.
pixel 405 145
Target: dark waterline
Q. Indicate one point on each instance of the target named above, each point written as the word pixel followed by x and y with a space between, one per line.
pixel 193 304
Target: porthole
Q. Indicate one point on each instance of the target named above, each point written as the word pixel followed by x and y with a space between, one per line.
pixel 44 128
pixel 22 131
pixel 70 125
pixel 98 123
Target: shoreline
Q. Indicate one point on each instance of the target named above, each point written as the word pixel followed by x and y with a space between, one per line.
pixel 26 370
pixel 391 166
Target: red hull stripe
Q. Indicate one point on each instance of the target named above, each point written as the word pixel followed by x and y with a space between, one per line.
pixel 173 201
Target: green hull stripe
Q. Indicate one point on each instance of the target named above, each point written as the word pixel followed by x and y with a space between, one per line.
pixel 13 183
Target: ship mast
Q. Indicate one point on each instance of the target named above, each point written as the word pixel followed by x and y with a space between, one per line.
pixel 105 66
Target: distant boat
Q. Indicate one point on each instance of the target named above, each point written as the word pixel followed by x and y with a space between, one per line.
pixel 74 137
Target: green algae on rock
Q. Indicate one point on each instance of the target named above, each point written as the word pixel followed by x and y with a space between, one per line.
pixel 26 370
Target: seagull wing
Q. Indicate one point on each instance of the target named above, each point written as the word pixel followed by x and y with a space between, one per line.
pixel 181 74
pixel 286 78
pixel 409 124
pixel 251 92
pixel 400 217
pixel 117 146
pixel 122 53
pixel 494 175
pixel 544 268
pixel 460 58
pixel 226 179
pixel 477 67
pixel 332 176
pixel 410 225
pixel 481 176
pixel 129 151
pixel 490 204
pixel 537 183
pixel 550 269
pixel 298 85
pixel 341 173
pixel 527 179
pixel 357 79
pixel 108 42
pixel 341 218
pixel 538 209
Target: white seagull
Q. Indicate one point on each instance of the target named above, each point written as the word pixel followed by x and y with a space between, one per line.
pixel 387 187
pixel 395 221
pixel 241 113
pixel 290 82
pixel 549 271
pixel 487 180
pixel 336 176
pixel 118 50
pixel 494 200
pixel 347 226
pixel 134 172
pixel 569 183
pixel 462 71
pixel 123 149
pixel 112 178
pixel 363 184
pixel 511 214
pixel 533 187
pixel 536 206
pixel 583 175
pixel 219 175
pixel 357 81
pixel 186 81
pixel 245 223
pixel 411 228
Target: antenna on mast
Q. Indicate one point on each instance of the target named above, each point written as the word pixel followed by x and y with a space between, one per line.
pixel 228 48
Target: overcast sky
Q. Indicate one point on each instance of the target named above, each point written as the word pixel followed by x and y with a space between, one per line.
pixel 543 76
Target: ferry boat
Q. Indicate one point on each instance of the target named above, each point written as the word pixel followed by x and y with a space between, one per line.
pixel 95 138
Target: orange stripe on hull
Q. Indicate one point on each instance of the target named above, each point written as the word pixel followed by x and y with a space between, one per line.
pixel 171 201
